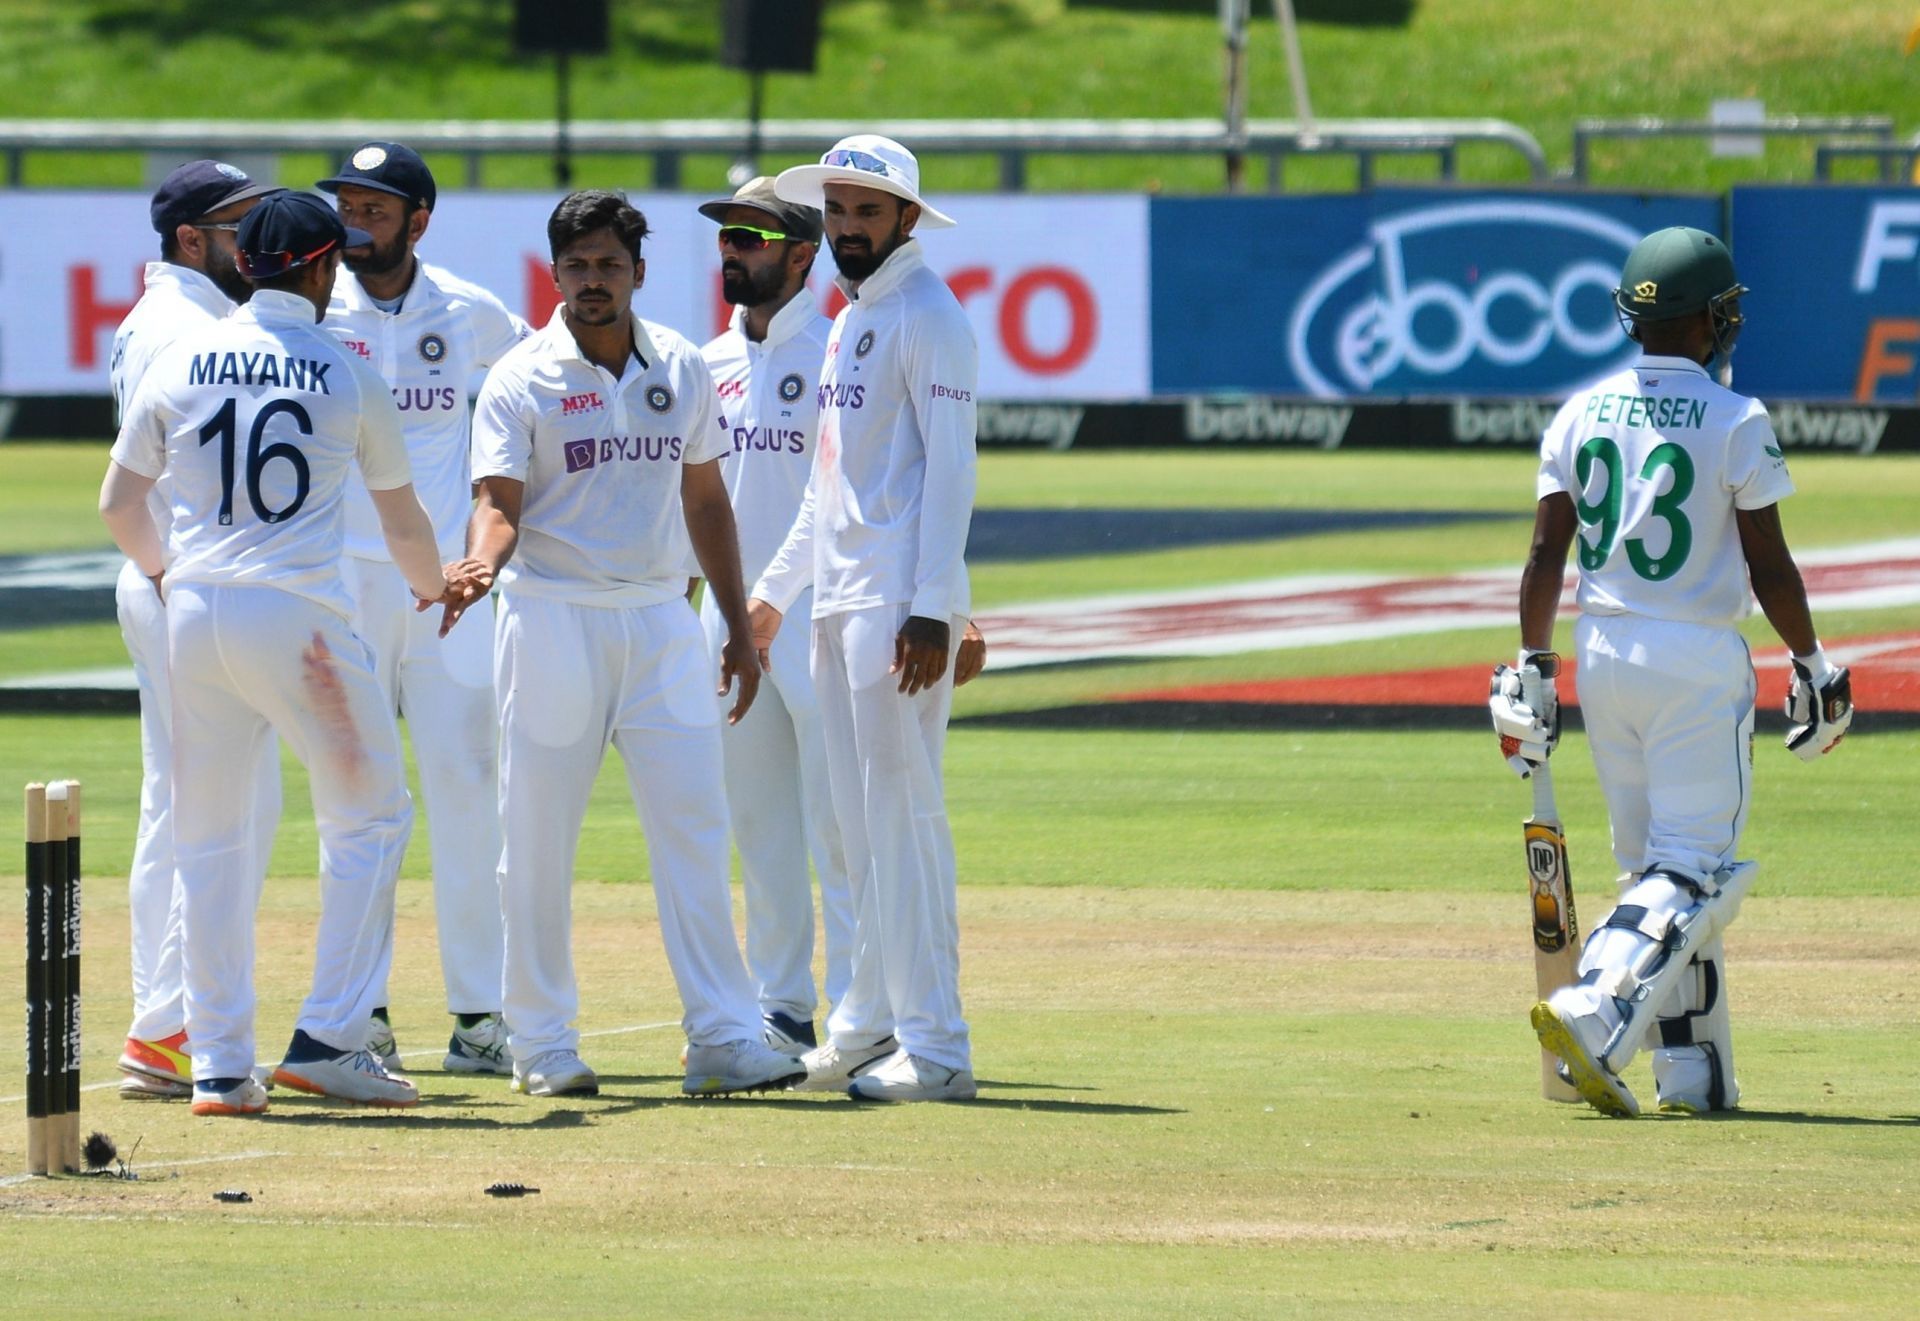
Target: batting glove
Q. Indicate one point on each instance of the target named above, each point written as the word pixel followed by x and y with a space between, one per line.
pixel 1526 710
pixel 1819 705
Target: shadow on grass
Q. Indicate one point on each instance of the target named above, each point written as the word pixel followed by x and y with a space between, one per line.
pixel 1802 1117
pixel 1053 1107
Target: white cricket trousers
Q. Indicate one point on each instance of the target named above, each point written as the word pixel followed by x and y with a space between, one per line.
pixel 249 662
pixel 782 813
pixel 1669 714
pixel 572 679
pixel 153 900
pixel 444 687
pixel 883 753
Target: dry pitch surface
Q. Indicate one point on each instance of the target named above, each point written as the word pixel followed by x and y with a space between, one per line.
pixel 1229 1104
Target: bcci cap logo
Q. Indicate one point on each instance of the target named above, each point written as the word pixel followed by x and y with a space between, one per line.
pixel 369 158
pixel 791 387
pixel 865 346
pixel 579 455
pixel 433 348
pixel 659 398
pixel 1646 291
pixel 232 172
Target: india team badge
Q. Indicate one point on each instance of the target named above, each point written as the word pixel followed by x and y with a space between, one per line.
pixel 792 386
pixel 433 348
pixel 865 346
pixel 369 158
pixel 659 398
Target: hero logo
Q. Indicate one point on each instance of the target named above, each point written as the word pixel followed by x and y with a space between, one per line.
pixel 1437 291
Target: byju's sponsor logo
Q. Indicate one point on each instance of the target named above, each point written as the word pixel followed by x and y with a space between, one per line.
pixel 948 392
pixel 585 454
pixel 842 396
pixel 1510 294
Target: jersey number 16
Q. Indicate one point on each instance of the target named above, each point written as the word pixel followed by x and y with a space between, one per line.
pixel 223 427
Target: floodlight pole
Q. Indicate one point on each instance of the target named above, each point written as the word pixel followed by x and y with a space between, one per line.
pixel 1296 67
pixel 749 164
pixel 1233 27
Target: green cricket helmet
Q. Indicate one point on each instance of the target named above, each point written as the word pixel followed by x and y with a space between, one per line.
pixel 1677 272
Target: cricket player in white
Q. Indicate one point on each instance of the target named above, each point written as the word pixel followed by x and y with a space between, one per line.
pixel 258 420
pixel 767 366
pixel 195 284
pixel 595 456
pixel 427 332
pixel 881 538
pixel 1667 482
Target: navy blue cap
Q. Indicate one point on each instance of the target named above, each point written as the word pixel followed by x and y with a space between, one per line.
pixel 288 230
pixel 199 188
pixel 389 167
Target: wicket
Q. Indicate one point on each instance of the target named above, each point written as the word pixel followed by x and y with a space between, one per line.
pixel 53 977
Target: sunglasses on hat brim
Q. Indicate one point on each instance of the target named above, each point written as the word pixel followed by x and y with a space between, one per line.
pixel 266 265
pixel 856 160
pixel 750 238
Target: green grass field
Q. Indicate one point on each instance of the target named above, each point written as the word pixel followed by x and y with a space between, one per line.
pixel 1249 1012
pixel 1534 62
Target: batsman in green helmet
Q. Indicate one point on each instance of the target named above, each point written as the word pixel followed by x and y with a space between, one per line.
pixel 1668 484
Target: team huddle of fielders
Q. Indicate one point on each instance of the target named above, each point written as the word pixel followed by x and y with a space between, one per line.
pixel 316 530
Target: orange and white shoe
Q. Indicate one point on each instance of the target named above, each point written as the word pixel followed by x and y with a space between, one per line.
pixel 158 1070
pixel 243 1097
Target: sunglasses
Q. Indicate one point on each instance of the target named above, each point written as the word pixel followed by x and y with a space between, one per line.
pixel 746 238
pixel 232 226
pixel 857 160
pixel 266 265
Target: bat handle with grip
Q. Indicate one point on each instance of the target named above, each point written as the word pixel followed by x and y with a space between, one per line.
pixel 1544 807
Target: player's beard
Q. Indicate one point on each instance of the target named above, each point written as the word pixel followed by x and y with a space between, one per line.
pixel 857 261
pixel 603 312
pixel 225 275
pixel 379 258
pixel 748 288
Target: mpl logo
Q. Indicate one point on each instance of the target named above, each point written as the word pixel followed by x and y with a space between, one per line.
pixel 575 404
pixel 1514 296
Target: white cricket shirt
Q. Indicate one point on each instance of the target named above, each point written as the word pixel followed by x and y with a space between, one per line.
pixel 1657 458
pixel 769 390
pixel 176 301
pixel 257 420
pixel 886 513
pixel 600 521
pixel 446 330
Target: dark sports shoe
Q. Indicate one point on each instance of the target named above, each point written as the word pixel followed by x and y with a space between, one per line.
pixel 789 1035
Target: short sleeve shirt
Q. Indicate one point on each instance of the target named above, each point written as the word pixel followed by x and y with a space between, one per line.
pixel 1657 458
pixel 601 521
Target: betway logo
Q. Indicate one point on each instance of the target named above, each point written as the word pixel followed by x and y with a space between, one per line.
pixel 1804 426
pixel 1052 425
pixel 1324 425
pixel 1519 422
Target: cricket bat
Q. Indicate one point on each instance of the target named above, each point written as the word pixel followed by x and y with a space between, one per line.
pixel 1556 932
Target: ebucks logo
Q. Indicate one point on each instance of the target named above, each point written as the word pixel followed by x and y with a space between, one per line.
pixel 1509 295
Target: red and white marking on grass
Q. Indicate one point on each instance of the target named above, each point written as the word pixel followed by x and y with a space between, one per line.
pixel 1886 677
pixel 1316 610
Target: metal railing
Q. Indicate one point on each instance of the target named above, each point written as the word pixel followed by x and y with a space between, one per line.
pixel 669 142
pixel 1897 161
pixel 1585 131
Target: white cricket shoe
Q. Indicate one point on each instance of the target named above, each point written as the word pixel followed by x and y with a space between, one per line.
pixel 833 1066
pixel 246 1097
pixel 382 1046
pixel 355 1076
pixel 1578 1040
pixel 481 1048
pixel 141 1087
pixel 556 1073
pixel 739 1066
pixel 904 1077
